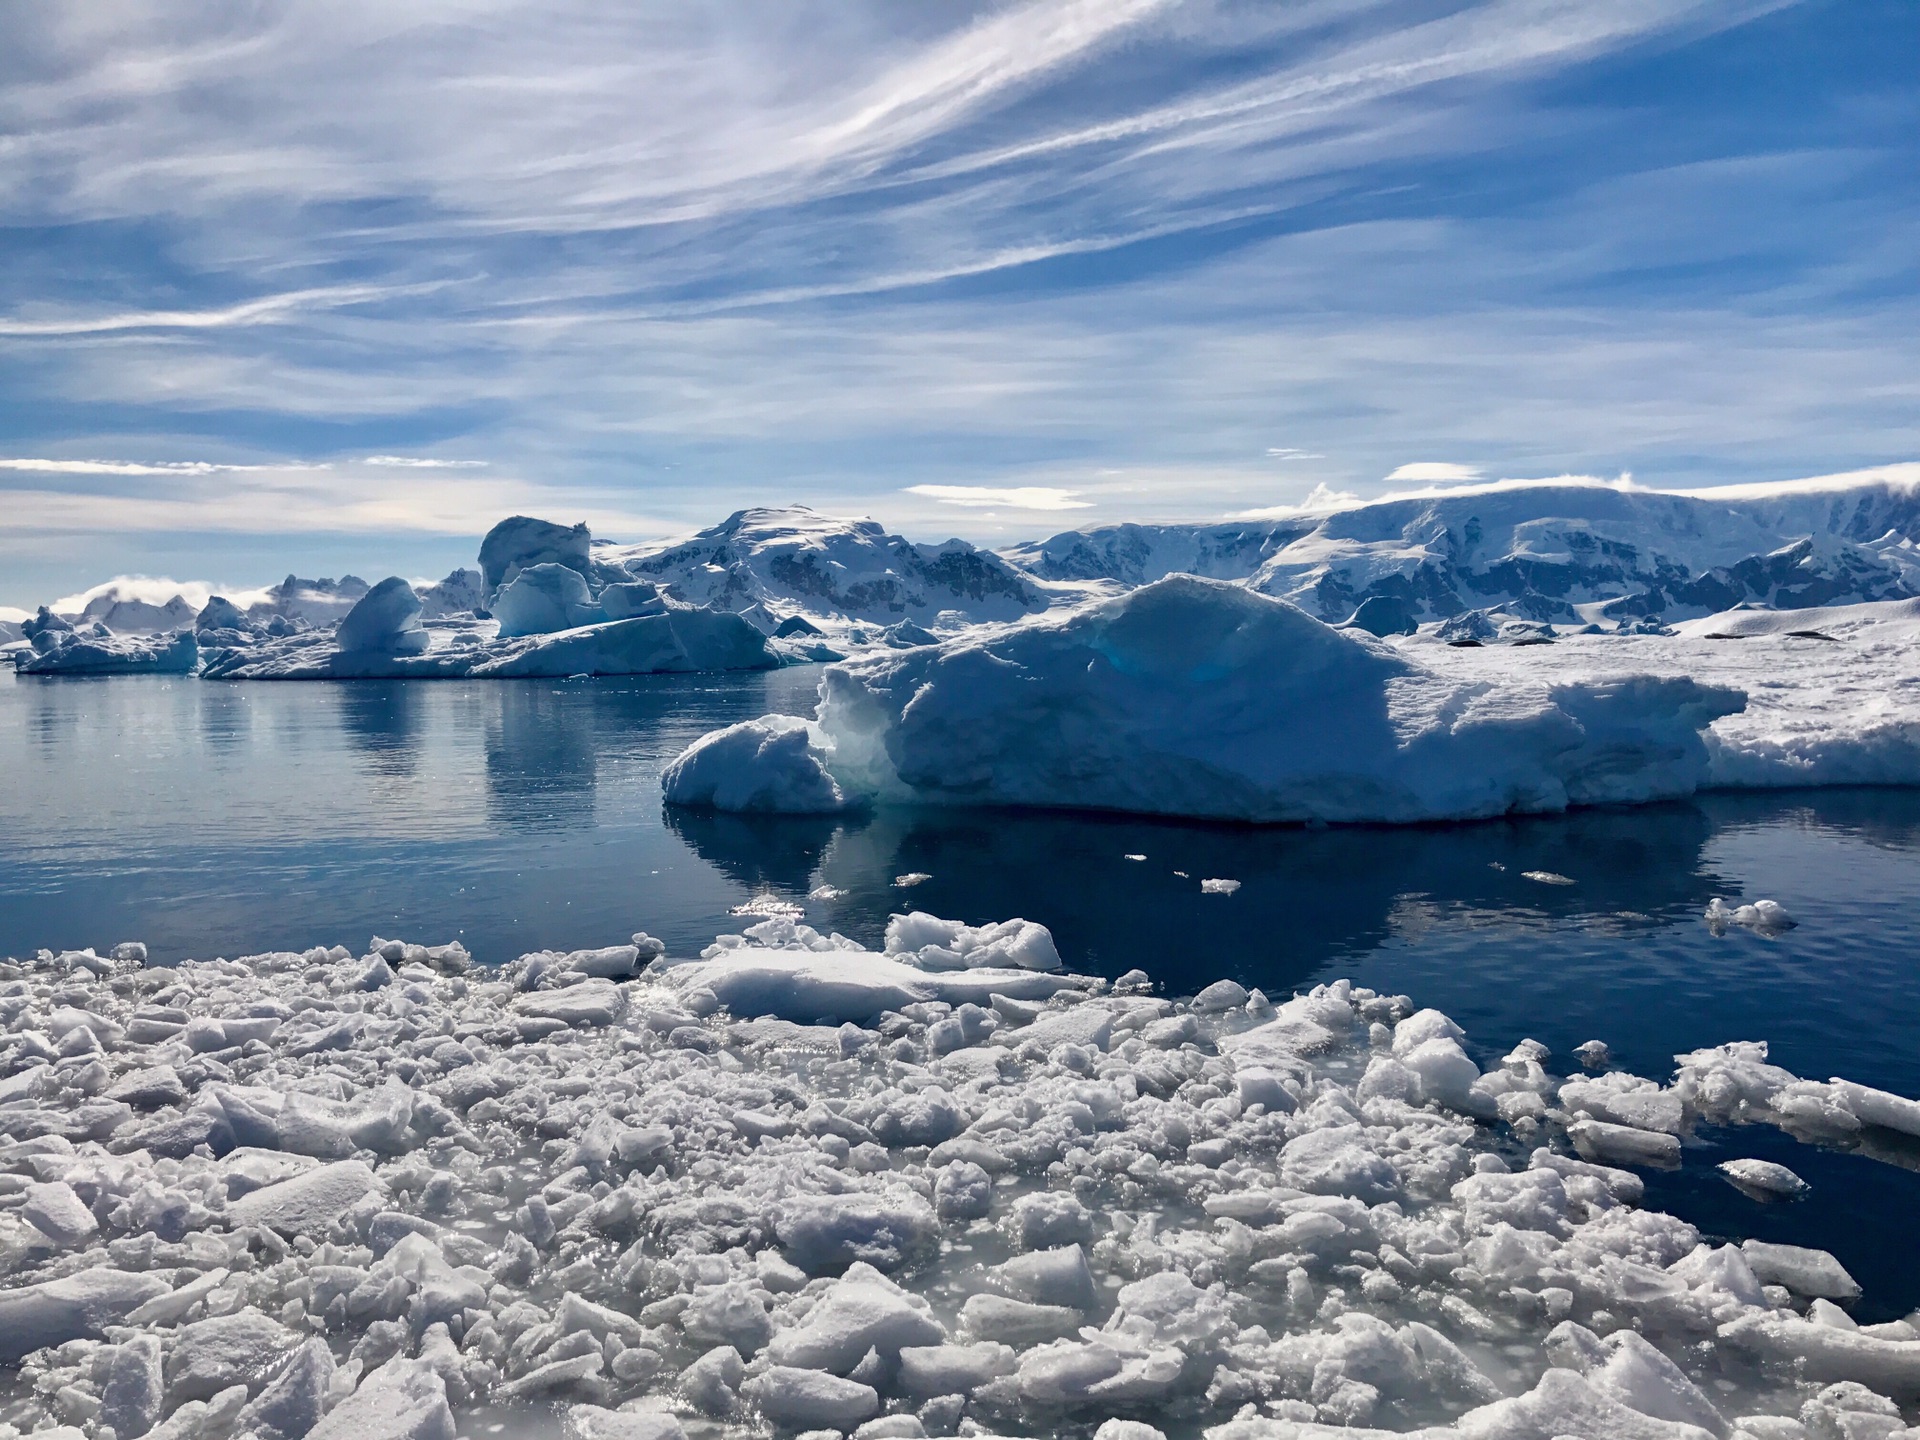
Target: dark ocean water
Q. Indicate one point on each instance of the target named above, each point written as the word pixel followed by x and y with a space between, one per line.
pixel 210 819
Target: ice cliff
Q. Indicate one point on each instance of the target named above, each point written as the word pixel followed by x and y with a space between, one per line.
pixel 1202 698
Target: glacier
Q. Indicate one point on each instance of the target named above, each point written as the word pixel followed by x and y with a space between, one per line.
pixel 792 1184
pixel 1569 550
pixel 1203 698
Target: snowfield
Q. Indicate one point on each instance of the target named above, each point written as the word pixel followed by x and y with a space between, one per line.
pixel 797 1186
pixel 1833 694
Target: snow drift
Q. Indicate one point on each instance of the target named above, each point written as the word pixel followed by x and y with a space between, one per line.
pixel 1196 697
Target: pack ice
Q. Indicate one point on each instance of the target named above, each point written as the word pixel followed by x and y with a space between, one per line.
pixel 1198 697
pixel 795 1186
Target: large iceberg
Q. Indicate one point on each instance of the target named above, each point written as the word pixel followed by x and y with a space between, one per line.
pixel 933 1191
pixel 1197 697
pixel 521 542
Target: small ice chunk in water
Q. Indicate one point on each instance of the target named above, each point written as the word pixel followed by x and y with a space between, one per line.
pixel 1763 917
pixel 1546 877
pixel 1133 857
pixel 911 878
pixel 1219 887
pixel 1594 1054
pixel 1764 1176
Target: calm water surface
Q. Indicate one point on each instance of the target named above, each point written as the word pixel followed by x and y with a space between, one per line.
pixel 210 819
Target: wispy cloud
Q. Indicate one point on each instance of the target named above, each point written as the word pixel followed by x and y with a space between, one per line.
pixel 39 466
pixel 1019 497
pixel 1435 472
pixel 422 462
pixel 267 310
pixel 655 261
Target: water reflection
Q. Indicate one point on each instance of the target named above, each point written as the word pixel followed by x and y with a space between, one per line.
pixel 383 720
pixel 778 854
pixel 542 758
pixel 1306 897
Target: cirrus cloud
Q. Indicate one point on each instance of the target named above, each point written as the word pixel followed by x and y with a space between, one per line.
pixel 1015 497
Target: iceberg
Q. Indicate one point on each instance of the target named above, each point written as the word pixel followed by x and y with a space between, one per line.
pixel 385 620
pixel 392 644
pixel 520 542
pixel 1202 698
pixel 542 599
pixel 95 650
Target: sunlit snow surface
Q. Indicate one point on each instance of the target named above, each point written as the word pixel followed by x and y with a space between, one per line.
pixel 1200 698
pixel 1004 1198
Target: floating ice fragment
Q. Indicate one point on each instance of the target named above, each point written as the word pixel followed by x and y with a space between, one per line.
pixel 1546 877
pixel 911 878
pixel 1623 1144
pixel 1593 1054
pixel 1763 917
pixel 1219 887
pixel 1764 1177
pixel 1133 857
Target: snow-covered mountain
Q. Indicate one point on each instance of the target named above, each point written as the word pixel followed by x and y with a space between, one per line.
pixel 1131 555
pixel 793 558
pixel 1541 549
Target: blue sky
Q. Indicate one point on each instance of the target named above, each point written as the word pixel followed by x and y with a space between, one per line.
pixel 333 286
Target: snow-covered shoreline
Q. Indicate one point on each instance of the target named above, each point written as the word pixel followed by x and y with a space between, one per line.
pixel 948 1189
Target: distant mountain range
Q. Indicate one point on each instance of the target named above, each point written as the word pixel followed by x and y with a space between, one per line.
pixel 1558 551
pixel 1550 550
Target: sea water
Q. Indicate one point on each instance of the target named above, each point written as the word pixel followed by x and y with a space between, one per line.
pixel 209 819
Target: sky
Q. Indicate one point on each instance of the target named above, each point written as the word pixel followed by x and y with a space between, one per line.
pixel 333 286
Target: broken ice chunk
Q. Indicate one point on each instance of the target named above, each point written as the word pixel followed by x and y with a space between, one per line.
pixel 1763 1177
pixel 1813 1273
pixel 1763 917
pixel 1622 1144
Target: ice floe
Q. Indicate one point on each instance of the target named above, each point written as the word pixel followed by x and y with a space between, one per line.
pixel 794 1185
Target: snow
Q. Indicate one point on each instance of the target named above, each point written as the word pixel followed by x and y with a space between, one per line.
pixel 1195 697
pixel 1841 711
pixel 795 561
pixel 1544 549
